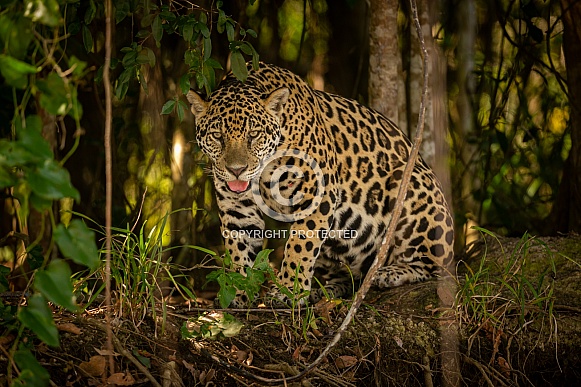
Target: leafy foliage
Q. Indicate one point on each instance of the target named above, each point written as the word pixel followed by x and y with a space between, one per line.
pixel 139 268
pixel 512 161
pixel 42 73
pixel 231 281
pixel 213 326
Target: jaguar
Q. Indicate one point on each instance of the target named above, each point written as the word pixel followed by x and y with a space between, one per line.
pixel 328 166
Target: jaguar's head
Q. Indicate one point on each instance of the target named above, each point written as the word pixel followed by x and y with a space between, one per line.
pixel 238 128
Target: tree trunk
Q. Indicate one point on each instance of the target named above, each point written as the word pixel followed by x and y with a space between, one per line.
pixel 349 46
pixel 566 215
pixel 384 58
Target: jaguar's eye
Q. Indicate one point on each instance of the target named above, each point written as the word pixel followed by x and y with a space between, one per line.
pixel 253 134
pixel 216 136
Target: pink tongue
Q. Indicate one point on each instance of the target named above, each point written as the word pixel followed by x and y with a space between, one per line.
pixel 238 185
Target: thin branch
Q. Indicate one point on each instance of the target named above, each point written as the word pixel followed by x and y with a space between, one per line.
pixel 303 32
pixel 108 179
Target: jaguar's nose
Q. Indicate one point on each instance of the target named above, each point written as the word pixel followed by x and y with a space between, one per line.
pixel 237 171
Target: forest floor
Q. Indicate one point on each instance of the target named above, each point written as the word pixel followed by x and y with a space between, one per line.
pixel 516 320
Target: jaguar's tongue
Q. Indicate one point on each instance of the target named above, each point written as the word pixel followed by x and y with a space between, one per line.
pixel 238 185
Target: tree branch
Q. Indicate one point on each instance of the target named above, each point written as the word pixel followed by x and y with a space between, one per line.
pixel 108 179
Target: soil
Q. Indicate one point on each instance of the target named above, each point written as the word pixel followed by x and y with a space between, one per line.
pixel 407 336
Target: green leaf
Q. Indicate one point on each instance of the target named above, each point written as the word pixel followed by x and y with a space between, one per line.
pixel 123 82
pixel 142 34
pixel 122 10
pixel 142 359
pixel 147 20
pixel 188 32
pixel 255 60
pixel 229 325
pixel 4 286
pixel 204 30
pixel 90 13
pixel 192 58
pixel 51 182
pixel 130 57
pixel 77 242
pixel 185 83
pixel 55 97
pixel 230 31
pixel 227 292
pixel 78 66
pixel 16 154
pixel 261 262
pixel 246 49
pixel 182 110
pixel 7 178
pixel 55 284
pixel 168 106
pixel 16 34
pixel 87 38
pixel 239 66
pixel 203 18
pixel 210 78
pixel 40 203
pixel 221 21
pixel 157 30
pixel 32 373
pixel 32 140
pixel 37 316
pixel 22 193
pixel 200 80
pixel 207 48
pixel 204 250
pixel 144 57
pixel 251 32
pixel 213 63
pixel 255 57
pixel 74 27
pixel 121 89
pixel 35 259
pixel 15 71
pixel 44 11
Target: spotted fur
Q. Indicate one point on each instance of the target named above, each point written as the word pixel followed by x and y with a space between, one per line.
pixel 360 157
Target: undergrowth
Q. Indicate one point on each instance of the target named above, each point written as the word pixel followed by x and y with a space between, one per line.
pixel 142 272
pixel 507 297
pixel 231 281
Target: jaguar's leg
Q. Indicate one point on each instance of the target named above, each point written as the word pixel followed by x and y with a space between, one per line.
pixel 242 227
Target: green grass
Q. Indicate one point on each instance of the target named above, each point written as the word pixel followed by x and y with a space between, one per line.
pixel 510 294
pixel 142 273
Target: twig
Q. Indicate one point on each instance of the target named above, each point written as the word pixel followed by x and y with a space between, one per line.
pixel 427 372
pixel 376 369
pixel 123 351
pixel 480 368
pixel 108 178
pixel 387 241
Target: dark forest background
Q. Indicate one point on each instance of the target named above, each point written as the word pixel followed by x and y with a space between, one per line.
pixel 503 126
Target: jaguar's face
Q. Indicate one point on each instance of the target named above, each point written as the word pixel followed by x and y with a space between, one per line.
pixel 237 130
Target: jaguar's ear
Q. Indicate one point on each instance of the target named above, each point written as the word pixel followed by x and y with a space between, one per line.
pixel 198 104
pixel 275 102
